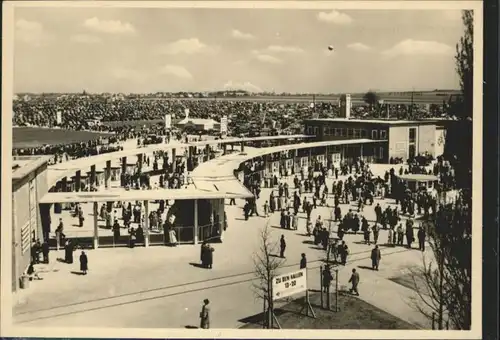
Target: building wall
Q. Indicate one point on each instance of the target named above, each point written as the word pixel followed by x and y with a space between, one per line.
pixel 325 131
pixel 426 139
pixel 398 142
pixel 26 219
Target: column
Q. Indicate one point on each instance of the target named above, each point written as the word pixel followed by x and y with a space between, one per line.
pixel 224 148
pixel 96 227
pixel 64 185
pixel 242 146
pixel 92 176
pixel 174 161
pixel 107 174
pixel 195 229
pixel 232 147
pixel 140 161
pixel 207 151
pixel 124 165
pixel 78 179
pixel 361 151
pixel 146 223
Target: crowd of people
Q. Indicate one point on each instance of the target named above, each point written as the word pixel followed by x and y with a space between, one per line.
pixel 79 112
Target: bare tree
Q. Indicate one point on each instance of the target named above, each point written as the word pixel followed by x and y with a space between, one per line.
pixel 266 264
pixel 443 283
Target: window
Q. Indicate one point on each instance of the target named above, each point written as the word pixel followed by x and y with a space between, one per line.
pixel 338 132
pixel 350 133
pixel 309 130
pixel 383 134
pixel 326 131
pixel 381 150
pixel 363 133
pixel 412 135
pixel 357 133
pixel 374 134
pixel 315 130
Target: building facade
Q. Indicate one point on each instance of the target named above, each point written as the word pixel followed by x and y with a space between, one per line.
pixel 399 139
pixel 29 185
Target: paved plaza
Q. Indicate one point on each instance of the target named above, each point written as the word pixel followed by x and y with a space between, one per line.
pixel 161 287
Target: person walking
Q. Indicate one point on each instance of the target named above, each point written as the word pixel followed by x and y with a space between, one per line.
pixel 376 230
pixel 326 278
pixel 375 256
pixel 84 263
pixel 354 280
pixel 45 252
pixel 343 252
pixel 282 246
pixel 303 261
pixel 205 315
pixel 421 238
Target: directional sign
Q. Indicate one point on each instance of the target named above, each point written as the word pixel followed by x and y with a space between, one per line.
pixel 289 284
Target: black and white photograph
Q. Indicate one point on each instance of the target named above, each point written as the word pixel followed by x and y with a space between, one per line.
pixel 230 168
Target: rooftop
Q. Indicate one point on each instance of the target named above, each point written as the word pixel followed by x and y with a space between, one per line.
pixel 375 121
pixel 23 165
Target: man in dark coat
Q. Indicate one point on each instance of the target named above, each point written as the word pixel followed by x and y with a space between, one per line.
pixel 375 256
pixel 326 278
pixel 68 250
pixel 354 280
pixel 45 251
pixel 205 315
pixel 421 239
pixel 303 261
pixel 84 263
pixel 282 246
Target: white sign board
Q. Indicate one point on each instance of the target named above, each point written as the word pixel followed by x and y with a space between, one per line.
pixel 168 121
pixel 289 284
pixel 59 117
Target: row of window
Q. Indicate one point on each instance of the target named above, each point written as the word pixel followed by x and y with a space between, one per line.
pixel 346 132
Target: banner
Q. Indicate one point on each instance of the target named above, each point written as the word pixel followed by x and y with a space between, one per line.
pixel 186 113
pixel 59 117
pixel 168 121
pixel 289 284
pixel 223 125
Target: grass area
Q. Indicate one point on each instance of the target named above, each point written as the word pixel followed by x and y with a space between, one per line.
pixel 354 314
pixel 26 137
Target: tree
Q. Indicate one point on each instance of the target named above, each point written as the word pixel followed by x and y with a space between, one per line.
pixel 443 284
pixel 266 266
pixel 458 147
pixel 371 98
pixel 464 60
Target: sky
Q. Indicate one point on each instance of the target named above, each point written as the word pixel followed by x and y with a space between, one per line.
pixel 144 50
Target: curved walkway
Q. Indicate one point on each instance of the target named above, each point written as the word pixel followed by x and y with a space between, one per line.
pixel 217 174
pixel 59 171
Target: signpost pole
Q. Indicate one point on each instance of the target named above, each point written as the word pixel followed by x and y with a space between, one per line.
pixel 309 305
pixel 336 290
pixel 321 284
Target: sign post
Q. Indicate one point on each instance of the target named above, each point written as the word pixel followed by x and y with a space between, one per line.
pixel 289 284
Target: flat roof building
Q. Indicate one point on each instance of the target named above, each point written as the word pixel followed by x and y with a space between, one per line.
pixel 405 138
pixel 29 185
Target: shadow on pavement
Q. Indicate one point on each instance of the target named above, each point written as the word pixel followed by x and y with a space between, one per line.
pixel 197 265
pixel 77 273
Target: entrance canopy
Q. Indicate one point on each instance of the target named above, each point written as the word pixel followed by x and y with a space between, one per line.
pixel 139 195
pixel 419 178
